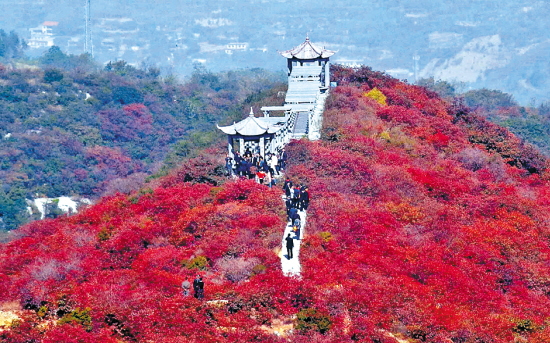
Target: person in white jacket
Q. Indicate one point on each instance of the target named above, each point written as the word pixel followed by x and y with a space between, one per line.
pixel 273 164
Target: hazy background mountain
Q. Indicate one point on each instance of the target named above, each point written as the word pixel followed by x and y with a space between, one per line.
pixel 483 43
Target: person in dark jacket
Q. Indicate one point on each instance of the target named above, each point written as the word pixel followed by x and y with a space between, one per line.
pixel 256 160
pixel 296 229
pixel 237 157
pixel 304 199
pixel 293 214
pixel 241 169
pixel 201 288
pixel 287 187
pixel 288 204
pixel 196 287
pixel 296 196
pixel 282 160
pixel 249 165
pixel 297 223
pixel 229 165
pixel 289 246
pixel 263 166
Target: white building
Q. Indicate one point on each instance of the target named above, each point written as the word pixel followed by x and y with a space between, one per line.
pixel 263 134
pixel 42 36
pixel 308 85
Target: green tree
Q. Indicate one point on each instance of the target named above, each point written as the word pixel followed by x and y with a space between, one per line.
pixel 10 45
pixel 53 75
pixel 488 99
pixel 13 207
pixel 52 209
pixel 443 88
pixel 54 57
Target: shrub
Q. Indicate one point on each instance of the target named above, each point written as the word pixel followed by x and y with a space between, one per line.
pixel 377 95
pixel 214 191
pixel 326 236
pixel 236 269
pixel 53 75
pixel 104 234
pixel 259 269
pixel 473 158
pixel 80 317
pixel 524 325
pixel 312 319
pixel 42 311
pixel 416 332
pixel 199 262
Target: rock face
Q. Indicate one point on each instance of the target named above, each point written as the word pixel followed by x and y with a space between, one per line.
pixel 64 204
pixel 471 63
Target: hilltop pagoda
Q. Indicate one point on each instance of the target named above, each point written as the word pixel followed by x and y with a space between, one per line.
pixel 308 62
pixel 308 85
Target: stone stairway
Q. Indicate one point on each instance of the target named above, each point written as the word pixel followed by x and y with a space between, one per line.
pixel 301 125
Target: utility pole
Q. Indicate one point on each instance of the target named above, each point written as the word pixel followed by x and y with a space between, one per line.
pixel 88 45
pixel 416 58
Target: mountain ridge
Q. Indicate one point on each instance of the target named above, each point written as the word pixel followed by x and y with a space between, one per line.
pixel 426 223
pixel 385 35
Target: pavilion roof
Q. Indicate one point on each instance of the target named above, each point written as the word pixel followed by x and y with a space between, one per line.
pixel 306 51
pixel 252 126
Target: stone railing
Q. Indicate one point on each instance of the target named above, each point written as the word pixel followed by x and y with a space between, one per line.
pixel 316 117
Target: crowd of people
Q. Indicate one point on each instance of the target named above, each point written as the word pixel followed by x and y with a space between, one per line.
pixel 264 170
pixel 297 196
pixel 297 199
pixel 198 287
pixel 254 166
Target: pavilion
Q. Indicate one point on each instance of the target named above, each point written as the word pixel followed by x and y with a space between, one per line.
pixel 308 85
pixel 308 77
pixel 258 134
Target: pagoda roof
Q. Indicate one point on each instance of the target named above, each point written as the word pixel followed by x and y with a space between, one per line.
pixel 252 126
pixel 307 51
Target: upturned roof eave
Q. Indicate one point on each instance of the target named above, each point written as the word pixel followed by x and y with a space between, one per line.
pixel 228 130
pixel 250 126
pixel 306 47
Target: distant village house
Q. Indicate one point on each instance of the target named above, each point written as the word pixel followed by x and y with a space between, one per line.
pixel 42 36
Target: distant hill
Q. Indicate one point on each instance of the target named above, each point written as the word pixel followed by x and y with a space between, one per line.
pixel 485 43
pixel 528 122
pixel 427 223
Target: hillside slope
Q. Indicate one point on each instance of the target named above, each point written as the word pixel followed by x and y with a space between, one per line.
pixel 427 224
pixel 96 132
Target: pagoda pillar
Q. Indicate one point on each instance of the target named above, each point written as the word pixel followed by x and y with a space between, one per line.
pixel 327 75
pixel 230 145
pixel 241 146
pixel 262 146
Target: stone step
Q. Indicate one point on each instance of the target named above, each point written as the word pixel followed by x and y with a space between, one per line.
pixel 301 124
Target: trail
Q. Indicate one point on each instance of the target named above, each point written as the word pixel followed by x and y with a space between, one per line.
pixel 292 267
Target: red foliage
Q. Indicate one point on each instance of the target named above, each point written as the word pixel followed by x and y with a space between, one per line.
pixel 426 242
pixel 133 122
pixel 124 258
pixel 108 163
pixel 425 221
